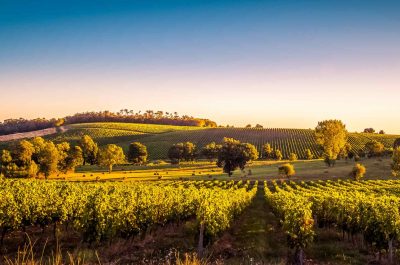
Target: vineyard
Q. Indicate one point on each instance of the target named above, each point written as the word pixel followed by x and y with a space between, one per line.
pixel 101 212
pixel 158 138
pixel 367 212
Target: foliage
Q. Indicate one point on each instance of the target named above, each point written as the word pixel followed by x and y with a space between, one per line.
pixel 374 148
pixel 210 151
pixel 309 155
pixel 111 155
pixel 182 151
pixel 90 150
pixel 278 155
pixel 268 151
pixel 287 170
pixel 103 211
pixel 358 171
pixel 369 130
pixel 396 161
pixel 48 159
pixel 137 153
pixel 234 154
pixel 293 157
pixel 331 135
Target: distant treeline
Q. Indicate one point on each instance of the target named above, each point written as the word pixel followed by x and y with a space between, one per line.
pixel 10 126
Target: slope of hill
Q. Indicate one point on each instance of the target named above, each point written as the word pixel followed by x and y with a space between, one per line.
pixel 158 138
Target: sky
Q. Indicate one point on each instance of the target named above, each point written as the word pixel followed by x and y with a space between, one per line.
pixel 277 63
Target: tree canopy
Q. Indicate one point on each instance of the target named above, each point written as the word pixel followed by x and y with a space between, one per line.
pixel 137 153
pixel 111 155
pixel 90 150
pixel 331 135
pixel 234 154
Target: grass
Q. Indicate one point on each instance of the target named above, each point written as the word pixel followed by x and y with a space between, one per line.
pixel 204 170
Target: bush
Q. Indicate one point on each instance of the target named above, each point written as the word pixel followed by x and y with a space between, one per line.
pixel 287 170
pixel 292 157
pixel 358 172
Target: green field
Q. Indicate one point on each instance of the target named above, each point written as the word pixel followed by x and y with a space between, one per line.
pixel 158 138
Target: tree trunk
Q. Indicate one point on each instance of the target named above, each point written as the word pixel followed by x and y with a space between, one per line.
pixel 110 168
pixel 391 251
pixel 200 247
pixel 299 256
pixel 3 234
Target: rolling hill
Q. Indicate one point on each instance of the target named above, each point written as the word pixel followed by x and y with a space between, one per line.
pixel 158 138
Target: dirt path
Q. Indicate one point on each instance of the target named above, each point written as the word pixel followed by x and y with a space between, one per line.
pixel 37 133
pixel 255 238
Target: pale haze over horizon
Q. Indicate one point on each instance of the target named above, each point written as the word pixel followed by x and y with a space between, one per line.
pixel 278 63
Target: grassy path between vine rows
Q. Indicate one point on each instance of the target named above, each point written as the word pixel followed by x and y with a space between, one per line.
pixel 255 238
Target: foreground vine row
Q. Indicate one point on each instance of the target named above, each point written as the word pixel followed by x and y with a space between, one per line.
pixel 102 211
pixel 369 209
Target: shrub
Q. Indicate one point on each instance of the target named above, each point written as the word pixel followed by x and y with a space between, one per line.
pixel 358 171
pixel 292 157
pixel 287 170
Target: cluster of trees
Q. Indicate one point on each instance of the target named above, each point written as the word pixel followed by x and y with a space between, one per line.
pixel 151 117
pixel 230 155
pixel 372 130
pixel 30 158
pixel 258 126
pixel 38 156
pixel 22 125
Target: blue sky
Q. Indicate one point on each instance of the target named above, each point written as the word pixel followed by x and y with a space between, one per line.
pixel 278 63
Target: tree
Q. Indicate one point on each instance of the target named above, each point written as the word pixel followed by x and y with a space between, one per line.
pixel 396 161
pixel 278 155
pixel 234 154
pixel 74 159
pixel 374 148
pixel 48 159
pixel 345 151
pixel 381 132
pixel 90 150
pixel 358 172
pixel 292 157
pixel 38 144
pixel 23 152
pixel 32 169
pixel 63 150
pixel 259 126
pixel 137 153
pixel 309 155
pixel 369 130
pixel 189 151
pixel 5 161
pixel 287 170
pixel 175 153
pixel 268 151
pixel 396 143
pixel 331 135
pixel 248 126
pixel 210 151
pixel 111 155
